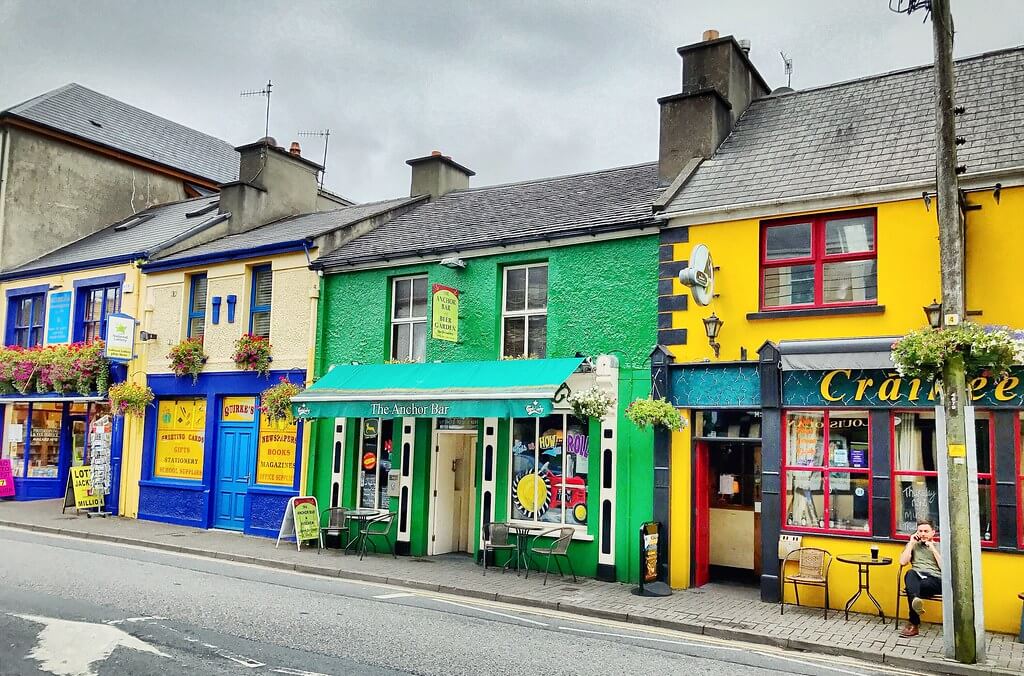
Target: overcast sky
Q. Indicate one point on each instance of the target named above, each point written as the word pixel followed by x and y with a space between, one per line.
pixel 513 90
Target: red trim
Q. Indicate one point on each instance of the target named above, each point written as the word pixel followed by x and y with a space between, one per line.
pixel 826 472
pixel 895 474
pixel 702 552
pixel 1020 482
pixel 818 258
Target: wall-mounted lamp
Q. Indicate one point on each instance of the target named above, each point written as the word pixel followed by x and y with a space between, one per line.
pixel 454 262
pixel 712 327
pixel 934 314
pixel 54 287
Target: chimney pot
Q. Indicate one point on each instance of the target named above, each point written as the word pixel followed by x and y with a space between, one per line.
pixel 710 34
pixel 745 46
pixel 295 149
pixel 435 153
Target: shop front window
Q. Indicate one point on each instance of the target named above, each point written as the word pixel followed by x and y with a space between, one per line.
pixel 828 471
pixel 1020 482
pixel 44 441
pixel 375 441
pixel 524 315
pixel 550 464
pixel 916 477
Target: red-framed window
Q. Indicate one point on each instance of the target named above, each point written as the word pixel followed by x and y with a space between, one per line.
pixel 915 474
pixel 827 471
pixel 1020 481
pixel 820 261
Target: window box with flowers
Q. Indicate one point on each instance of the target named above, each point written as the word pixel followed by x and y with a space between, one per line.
pixel 129 399
pixel 252 353
pixel 60 369
pixel 188 358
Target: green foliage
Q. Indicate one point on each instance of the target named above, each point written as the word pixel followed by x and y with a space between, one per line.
pixel 187 358
pixel 986 350
pixel 655 412
pixel 592 403
pixel 61 369
pixel 276 401
pixel 130 399
pixel 252 353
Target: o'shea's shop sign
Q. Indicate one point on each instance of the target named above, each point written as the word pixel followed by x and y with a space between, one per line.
pixel 445 313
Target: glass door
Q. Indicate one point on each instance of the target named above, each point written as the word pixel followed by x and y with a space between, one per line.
pixel 77 426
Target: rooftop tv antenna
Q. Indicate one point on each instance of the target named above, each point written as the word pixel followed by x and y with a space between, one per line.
pixel 911 6
pixel 326 135
pixel 788 63
pixel 262 92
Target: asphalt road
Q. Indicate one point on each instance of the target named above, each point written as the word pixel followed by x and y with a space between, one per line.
pixel 73 607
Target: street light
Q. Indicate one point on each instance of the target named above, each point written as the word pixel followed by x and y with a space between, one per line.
pixel 934 313
pixel 712 326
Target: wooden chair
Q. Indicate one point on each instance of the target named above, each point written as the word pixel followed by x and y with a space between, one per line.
pixel 497 541
pixel 337 524
pixel 901 593
pixel 812 571
pixel 558 548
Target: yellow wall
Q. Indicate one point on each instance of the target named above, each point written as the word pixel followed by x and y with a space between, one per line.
pixel 681 501
pixel 131 293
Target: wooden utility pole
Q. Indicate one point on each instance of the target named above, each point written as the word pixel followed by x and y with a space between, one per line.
pixel 957 529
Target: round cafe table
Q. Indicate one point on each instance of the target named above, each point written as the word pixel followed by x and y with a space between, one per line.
pixel 522 532
pixel 360 516
pixel 864 563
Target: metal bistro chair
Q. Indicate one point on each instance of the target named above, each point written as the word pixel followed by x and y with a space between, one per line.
pixel 497 541
pixel 812 570
pixel 558 548
pixel 378 527
pixel 337 524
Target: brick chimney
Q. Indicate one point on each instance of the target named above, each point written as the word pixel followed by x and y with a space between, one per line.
pixel 437 175
pixel 719 82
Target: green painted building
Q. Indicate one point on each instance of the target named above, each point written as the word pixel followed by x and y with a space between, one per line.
pixel 450 340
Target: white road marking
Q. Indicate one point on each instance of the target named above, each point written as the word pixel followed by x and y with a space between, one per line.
pixel 396 595
pixel 67 648
pixel 240 660
pixel 135 619
pixel 492 612
pixel 647 638
pixel 296 672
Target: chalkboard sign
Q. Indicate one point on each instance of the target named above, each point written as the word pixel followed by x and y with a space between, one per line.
pixel 918 500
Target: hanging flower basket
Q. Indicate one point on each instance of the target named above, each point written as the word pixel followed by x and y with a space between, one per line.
pixel 188 358
pixel 592 403
pixel 986 350
pixel 252 353
pixel 646 413
pixel 61 369
pixel 130 399
pixel 276 401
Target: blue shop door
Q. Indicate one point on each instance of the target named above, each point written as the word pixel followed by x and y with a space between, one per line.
pixel 236 449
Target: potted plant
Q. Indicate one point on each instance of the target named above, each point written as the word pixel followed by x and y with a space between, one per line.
pixel 655 412
pixel 252 353
pixel 592 403
pixel 130 399
pixel 986 350
pixel 276 401
pixel 188 358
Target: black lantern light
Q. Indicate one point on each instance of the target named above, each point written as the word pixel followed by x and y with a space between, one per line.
pixel 712 327
pixel 934 314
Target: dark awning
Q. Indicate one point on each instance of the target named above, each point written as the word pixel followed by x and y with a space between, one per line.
pixel 841 353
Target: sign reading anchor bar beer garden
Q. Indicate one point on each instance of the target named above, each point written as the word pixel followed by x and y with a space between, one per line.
pixel 444 320
pixel 447 408
pixel 888 389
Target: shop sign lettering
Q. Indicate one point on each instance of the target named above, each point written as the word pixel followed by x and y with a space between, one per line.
pixel 6 478
pixel 275 457
pixel 445 313
pixel 410 410
pixel 180 439
pixel 578 444
pixel 238 409
pixel 888 389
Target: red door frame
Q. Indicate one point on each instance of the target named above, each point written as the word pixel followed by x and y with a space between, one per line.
pixel 701 524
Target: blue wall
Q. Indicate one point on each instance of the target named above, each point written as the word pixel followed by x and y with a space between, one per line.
pixel 189 503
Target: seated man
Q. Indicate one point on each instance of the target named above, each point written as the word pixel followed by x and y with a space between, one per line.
pixel 924 579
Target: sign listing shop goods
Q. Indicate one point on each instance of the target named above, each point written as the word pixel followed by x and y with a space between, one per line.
pixel 275 457
pixel 58 318
pixel 444 324
pixel 301 521
pixel 887 389
pixel 6 478
pixel 120 339
pixel 238 409
pixel 180 439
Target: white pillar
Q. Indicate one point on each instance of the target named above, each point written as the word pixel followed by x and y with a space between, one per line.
pixel 338 462
pixel 406 459
pixel 607 374
pixel 488 474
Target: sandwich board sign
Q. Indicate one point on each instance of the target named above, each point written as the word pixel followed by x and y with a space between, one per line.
pixel 301 521
pixel 79 493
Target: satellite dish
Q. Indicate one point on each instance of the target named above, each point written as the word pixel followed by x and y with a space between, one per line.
pixel 699 275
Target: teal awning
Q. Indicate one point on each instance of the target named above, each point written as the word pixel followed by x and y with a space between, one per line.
pixel 477 389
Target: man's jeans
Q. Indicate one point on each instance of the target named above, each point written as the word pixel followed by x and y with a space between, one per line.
pixel 920 585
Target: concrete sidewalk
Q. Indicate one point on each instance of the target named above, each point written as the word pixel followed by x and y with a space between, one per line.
pixel 715 610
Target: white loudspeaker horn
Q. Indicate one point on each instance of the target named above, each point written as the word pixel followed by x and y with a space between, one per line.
pixel 699 275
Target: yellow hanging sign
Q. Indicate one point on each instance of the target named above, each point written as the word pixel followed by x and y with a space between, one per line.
pixel 445 313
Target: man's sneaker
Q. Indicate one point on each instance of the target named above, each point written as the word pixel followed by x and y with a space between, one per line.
pixel 909 631
pixel 918 605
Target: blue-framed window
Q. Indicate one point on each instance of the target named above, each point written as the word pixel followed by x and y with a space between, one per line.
pixel 25 318
pixel 259 302
pixel 95 300
pixel 197 306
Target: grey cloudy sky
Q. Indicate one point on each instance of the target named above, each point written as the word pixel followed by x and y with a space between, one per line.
pixel 513 90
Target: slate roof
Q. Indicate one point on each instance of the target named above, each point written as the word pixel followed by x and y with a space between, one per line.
pixel 871 132
pixel 100 119
pixel 531 210
pixel 167 222
pixel 290 229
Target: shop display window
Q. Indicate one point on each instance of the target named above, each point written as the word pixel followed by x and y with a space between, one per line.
pixel 524 312
pixel 44 441
pixel 1020 483
pixel 375 445
pixel 549 468
pixel 823 261
pixel 915 472
pixel 409 319
pixel 827 471
pixel 15 436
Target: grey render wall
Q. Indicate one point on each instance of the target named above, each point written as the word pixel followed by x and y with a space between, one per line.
pixel 55 193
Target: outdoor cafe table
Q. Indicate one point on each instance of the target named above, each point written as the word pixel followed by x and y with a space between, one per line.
pixel 522 532
pixel 864 563
pixel 360 516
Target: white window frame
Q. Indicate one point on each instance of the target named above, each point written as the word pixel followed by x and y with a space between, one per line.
pixel 526 312
pixel 410 320
pixel 580 529
pixel 362 472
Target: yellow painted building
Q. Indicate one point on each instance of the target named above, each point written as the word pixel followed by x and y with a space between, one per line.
pixel 819 216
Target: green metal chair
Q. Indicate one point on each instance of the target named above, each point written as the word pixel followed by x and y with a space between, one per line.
pixel 555 550
pixel 379 527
